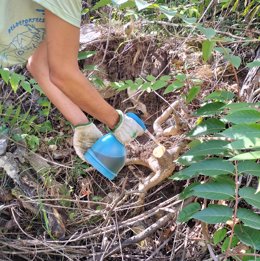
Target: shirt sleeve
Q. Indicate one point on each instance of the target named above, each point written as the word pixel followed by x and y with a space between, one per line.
pixel 68 10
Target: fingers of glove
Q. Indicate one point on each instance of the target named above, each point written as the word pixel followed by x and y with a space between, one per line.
pixel 128 130
pixel 84 137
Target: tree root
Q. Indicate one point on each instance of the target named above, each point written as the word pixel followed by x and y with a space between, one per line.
pixel 161 161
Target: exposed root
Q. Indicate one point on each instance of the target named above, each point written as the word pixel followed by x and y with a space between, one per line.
pixel 172 130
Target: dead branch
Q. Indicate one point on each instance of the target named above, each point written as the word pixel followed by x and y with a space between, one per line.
pixel 251 84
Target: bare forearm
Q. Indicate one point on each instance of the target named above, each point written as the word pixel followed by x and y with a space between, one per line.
pixel 81 92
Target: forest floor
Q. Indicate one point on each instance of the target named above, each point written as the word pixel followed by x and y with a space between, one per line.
pixel 55 207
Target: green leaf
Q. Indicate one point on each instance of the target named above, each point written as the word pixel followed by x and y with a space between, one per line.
pixel 158 85
pixel 26 86
pixel 169 13
pixel 214 214
pixel 141 4
pixel 220 96
pixel 212 147
pixel 100 4
pixel 189 20
pixel 174 86
pixel 246 143
pixel 209 126
pixel 242 131
pixel 85 55
pixel 119 2
pixel 150 78
pixel 5 74
pixel 181 77
pixel 247 156
pixel 192 94
pixel 225 244
pixel 187 192
pixel 209 109
pixel 188 211
pixel 14 81
pixel 208 32
pixel 253 64
pixel 248 236
pixel 249 167
pixel 207 48
pixel 214 191
pixel 219 235
pixel 165 78
pixel 234 60
pixel 248 194
pixel 238 106
pixel 244 116
pixel 249 218
pixel 209 167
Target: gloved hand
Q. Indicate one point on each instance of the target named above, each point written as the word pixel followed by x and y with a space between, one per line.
pixel 84 137
pixel 127 129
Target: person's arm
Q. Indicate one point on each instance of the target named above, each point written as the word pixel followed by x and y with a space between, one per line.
pixel 62 41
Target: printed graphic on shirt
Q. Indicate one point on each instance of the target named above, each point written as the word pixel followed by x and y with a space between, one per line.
pixel 23 44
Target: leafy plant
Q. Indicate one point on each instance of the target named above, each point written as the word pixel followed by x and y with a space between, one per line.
pixel 225 147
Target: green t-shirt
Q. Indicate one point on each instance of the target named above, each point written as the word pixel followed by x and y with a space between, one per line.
pixel 22 25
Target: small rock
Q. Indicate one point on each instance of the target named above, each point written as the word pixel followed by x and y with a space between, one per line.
pixel 3 146
pixel 53 147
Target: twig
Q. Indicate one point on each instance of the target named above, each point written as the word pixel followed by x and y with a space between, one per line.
pixel 144 234
pixel 235 211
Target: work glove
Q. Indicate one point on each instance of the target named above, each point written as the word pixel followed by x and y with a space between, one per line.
pixel 127 129
pixel 84 137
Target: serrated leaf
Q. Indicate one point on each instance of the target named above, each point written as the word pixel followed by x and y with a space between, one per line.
pixel 214 214
pixel 158 85
pixel 209 167
pixel 209 126
pixel 246 143
pixel 212 147
pixel 207 48
pixel 249 167
pixel 249 218
pixel 247 156
pixel 219 235
pixel 188 211
pixel 192 94
pixel 146 85
pixel 150 78
pixel 220 96
pixel 165 78
pixel 244 116
pixel 209 109
pixel 181 77
pixel 214 191
pixel 253 64
pixel 248 236
pixel 248 194
pixel 141 4
pixel 242 131
pixel 174 86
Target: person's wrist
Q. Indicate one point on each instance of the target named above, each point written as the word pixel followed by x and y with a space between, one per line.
pixel 114 120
